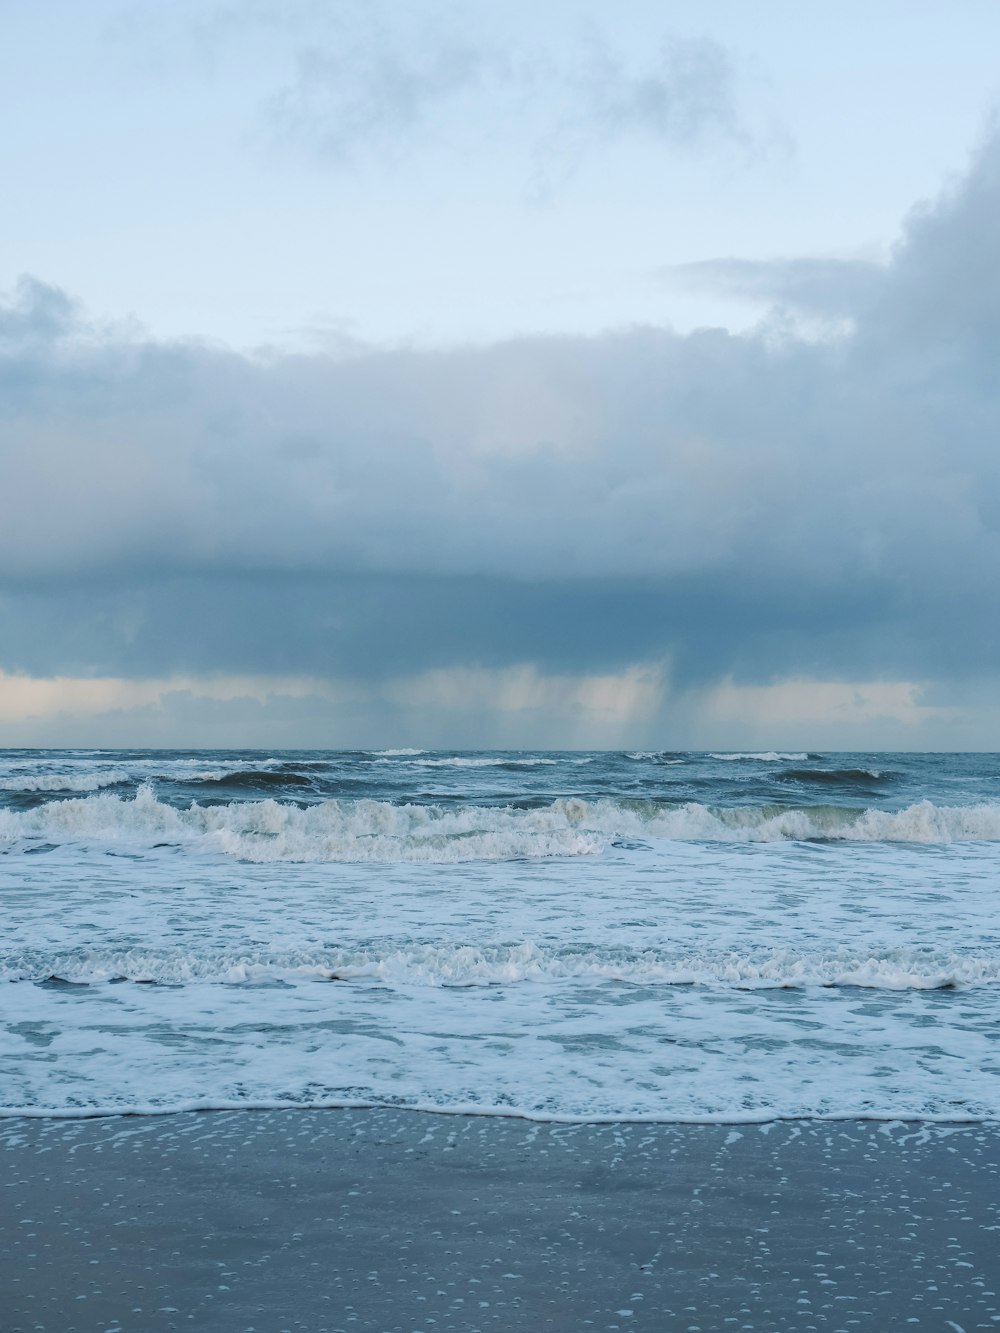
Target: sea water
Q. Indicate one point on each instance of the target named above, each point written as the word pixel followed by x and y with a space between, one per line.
pixel 664 936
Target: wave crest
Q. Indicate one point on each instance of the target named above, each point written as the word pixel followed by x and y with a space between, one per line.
pixel 56 782
pixel 465 965
pixel 370 830
pixel 763 756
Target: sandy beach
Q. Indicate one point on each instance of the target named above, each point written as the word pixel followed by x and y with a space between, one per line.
pixel 403 1221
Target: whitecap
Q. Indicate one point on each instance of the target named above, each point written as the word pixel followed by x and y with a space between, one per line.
pixel 763 756
pixel 55 782
pixel 371 830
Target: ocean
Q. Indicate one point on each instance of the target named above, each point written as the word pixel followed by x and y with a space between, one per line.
pixel 562 936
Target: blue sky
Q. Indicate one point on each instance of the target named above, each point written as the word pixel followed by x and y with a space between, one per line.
pixel 449 374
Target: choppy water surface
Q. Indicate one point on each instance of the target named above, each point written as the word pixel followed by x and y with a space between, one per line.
pixel 562 935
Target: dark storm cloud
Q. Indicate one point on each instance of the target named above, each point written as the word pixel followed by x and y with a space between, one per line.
pixel 376 626
pixel 757 505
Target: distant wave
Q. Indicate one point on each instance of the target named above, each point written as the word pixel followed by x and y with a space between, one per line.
pixel 837 776
pixel 508 964
pixel 370 830
pixel 764 757
pixel 54 782
pixel 261 778
pixel 502 761
pixel 479 761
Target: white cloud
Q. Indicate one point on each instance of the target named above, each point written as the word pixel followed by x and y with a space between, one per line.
pixel 822 704
pixel 34 699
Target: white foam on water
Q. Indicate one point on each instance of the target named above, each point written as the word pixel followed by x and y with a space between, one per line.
pixel 549 1051
pixel 71 777
pixel 666 962
pixel 56 782
pixel 764 757
pixel 520 761
pixel 370 830
pixel 468 965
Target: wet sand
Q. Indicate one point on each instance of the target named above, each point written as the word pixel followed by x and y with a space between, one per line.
pixel 399 1221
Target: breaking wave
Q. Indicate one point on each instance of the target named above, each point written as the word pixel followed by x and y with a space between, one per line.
pixel 661 756
pixel 464 761
pixel 507 964
pixel 262 778
pixel 764 757
pixel 55 782
pixel 839 777
pixel 371 830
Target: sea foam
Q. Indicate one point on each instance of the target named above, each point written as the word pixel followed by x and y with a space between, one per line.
pixel 373 830
pixel 468 965
pixel 58 782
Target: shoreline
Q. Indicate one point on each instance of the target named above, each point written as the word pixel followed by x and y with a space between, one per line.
pixel 390 1218
pixel 473 1112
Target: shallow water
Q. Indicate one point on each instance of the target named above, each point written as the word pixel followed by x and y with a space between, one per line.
pixel 593 936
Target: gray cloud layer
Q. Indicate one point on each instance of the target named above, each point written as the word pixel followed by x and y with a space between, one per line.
pixel 758 505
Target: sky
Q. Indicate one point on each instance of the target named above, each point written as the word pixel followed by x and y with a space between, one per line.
pixel 386 374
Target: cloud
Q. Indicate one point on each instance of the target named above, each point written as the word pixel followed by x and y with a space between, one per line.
pixel 943 288
pixel 514 707
pixel 378 82
pixel 683 95
pixel 822 704
pixel 757 508
pixel 831 288
pixel 940 286
pixel 36 313
pixel 379 90
pixel 376 88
